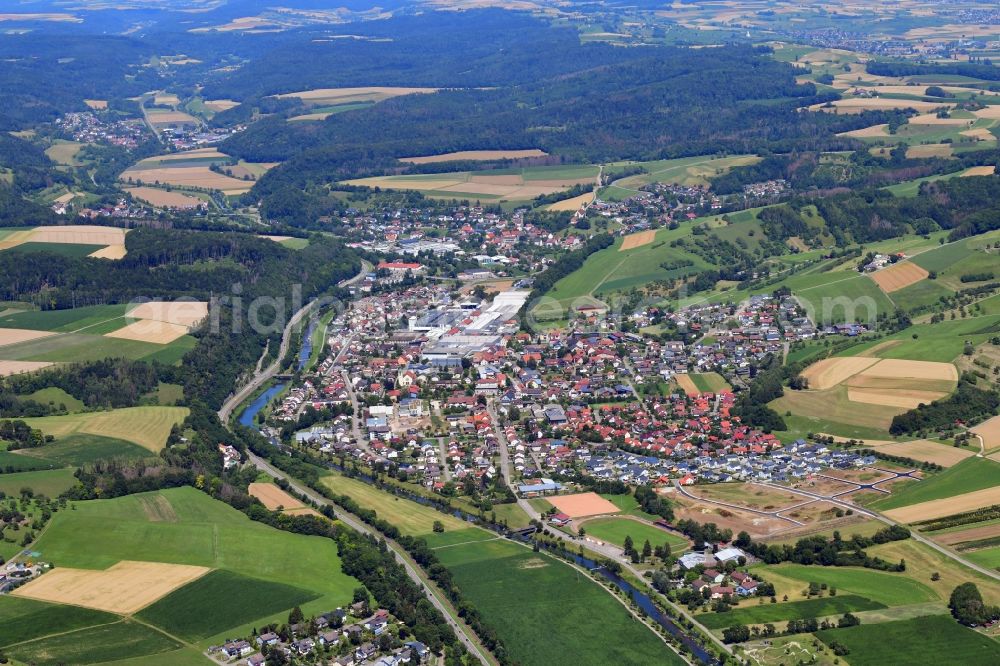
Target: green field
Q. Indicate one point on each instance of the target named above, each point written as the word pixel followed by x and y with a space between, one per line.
pixel 709 382
pixel 411 518
pixel 186 526
pixel 795 610
pixel 56 397
pixel 942 342
pixel 81 449
pixel 50 483
pixel 15 462
pixel 936 639
pixel 539 606
pixel 95 645
pixel 79 348
pixel 219 600
pixel 62 249
pixel 25 619
pixel 688 171
pixel 890 589
pixel 967 476
pixel 63 321
pixel 614 530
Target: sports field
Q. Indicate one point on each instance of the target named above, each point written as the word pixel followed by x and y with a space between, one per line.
pixel 529 598
pixel 614 530
pixel 186 526
pixel 411 518
pixel 936 639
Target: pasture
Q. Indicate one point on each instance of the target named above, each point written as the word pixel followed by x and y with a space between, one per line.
pixel 926 450
pixel 889 589
pixel 515 184
pixel 793 610
pixel 530 597
pixel 411 518
pixel 934 639
pixel 186 526
pixel 96 644
pixel 25 619
pixel 147 426
pixel 50 483
pixel 967 476
pixel 81 449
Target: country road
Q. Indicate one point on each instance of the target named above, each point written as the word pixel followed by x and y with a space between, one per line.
pixel 433 594
pixel 262 376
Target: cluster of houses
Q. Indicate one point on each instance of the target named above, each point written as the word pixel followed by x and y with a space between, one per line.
pixel 15 574
pixel 330 638
pixel 88 127
pixel 880 261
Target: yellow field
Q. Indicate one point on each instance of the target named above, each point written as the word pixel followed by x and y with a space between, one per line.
pixel 274 498
pixel 924 451
pixel 330 96
pixel 166 99
pixel 573 204
pixel 859 104
pixel 902 398
pixel 96 104
pixel 933 119
pixel 899 275
pixel 463 185
pixel 832 371
pixel 989 430
pixel 477 155
pixel 149 330
pixel 148 427
pixel 990 112
pixel 638 239
pixel 868 132
pixel 979 170
pixel 163 198
pixel 8 368
pixel 895 368
pixel 185 313
pixel 126 587
pixel 110 252
pixel 170 118
pixel 11 336
pixel 929 150
pixel 947 506
pixel 686 385
pixel 220 104
pixel 191 176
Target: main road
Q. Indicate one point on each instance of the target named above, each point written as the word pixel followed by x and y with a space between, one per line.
pixel 464 633
pixel 263 376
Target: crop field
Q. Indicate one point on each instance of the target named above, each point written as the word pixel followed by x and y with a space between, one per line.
pixel 411 518
pixel 273 497
pixel 63 321
pixel 163 198
pixel 186 526
pixel 688 171
pixel 637 239
pixel 934 639
pixel 80 449
pixel 889 589
pixel 946 506
pixel 529 597
pixel 968 476
pixel 476 155
pixel 926 450
pixel 861 104
pixel 97 644
pixel 219 600
pixel 572 204
pixel 165 117
pixel 195 176
pixel 25 620
pixel 614 530
pixel 333 96
pixel 507 184
pixel 123 588
pixel 75 348
pixel 899 276
pixel 147 426
pixel 62 238
pixel 709 382
pixel 794 610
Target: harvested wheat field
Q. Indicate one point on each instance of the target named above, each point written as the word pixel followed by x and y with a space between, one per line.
pixel 979 134
pixel 979 171
pixel 861 104
pixel 899 275
pixel 170 118
pixel 574 204
pixel 902 398
pixel 323 96
pixel 989 430
pixel 164 199
pixel 990 112
pixel 96 104
pixel 582 504
pixel 476 155
pixel 926 451
pixel 895 368
pixel 947 506
pixel 82 234
pixel 11 336
pixel 273 497
pixel 220 104
pixel 470 185
pixel 8 368
pixel 868 132
pixel 189 176
pixel 929 150
pixel 150 330
pixel 832 371
pixel 687 385
pixel 185 313
pixel 125 588
pixel 934 119
pixel 114 252
pixel 638 239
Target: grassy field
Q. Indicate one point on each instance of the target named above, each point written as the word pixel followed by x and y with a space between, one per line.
pixel 969 475
pixel 529 598
pixel 63 321
pixel 889 589
pixel 81 449
pixel 104 643
pixel 186 526
pixel 147 427
pixel 79 348
pixel 16 462
pixel 411 518
pixel 55 396
pixel 710 382
pixel 935 639
pixel 25 619
pixel 61 249
pixel 50 483
pixel 942 342
pixel 614 530
pixel 795 610
pixel 219 600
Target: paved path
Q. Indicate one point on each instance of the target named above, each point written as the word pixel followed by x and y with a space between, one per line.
pixel 431 591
